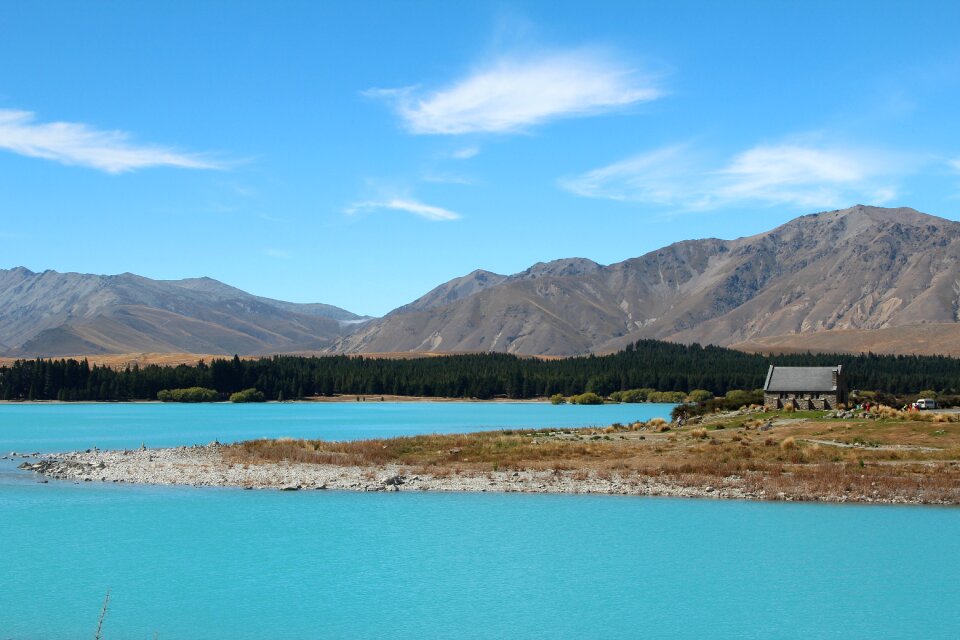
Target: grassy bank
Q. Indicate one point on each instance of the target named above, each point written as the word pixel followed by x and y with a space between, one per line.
pixel 801 456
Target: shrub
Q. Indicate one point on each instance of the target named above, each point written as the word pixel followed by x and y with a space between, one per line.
pixel 586 398
pixel 789 444
pixel 666 396
pixel 699 395
pixel 248 395
pixel 637 395
pixel 738 397
pixel 631 396
pixel 191 394
pixel 558 398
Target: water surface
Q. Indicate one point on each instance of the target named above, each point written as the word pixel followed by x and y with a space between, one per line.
pixel 190 563
pixel 226 563
pixel 67 427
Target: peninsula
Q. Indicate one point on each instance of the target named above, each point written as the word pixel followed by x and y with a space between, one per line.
pixel 880 456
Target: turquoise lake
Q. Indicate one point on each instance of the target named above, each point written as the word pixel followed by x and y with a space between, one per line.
pixel 224 563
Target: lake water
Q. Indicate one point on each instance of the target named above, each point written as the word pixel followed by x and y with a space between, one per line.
pixel 191 563
pixel 67 427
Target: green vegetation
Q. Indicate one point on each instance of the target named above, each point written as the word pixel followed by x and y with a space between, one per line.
pixel 631 395
pixel 558 398
pixel 699 395
pixel 636 372
pixel 191 394
pixel 248 395
pixel 586 398
pixel 733 400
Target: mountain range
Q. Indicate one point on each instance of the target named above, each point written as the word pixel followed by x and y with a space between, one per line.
pixel 52 314
pixel 857 279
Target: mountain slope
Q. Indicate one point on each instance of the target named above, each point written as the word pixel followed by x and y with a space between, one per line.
pixel 861 268
pixel 50 313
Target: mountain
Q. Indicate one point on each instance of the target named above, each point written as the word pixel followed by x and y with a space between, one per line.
pixel 52 314
pixel 862 268
pixel 857 279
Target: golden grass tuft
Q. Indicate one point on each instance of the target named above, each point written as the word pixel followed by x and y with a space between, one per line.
pixel 789 444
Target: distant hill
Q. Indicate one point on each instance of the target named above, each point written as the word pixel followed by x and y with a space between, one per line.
pixel 857 279
pixel 862 268
pixel 52 314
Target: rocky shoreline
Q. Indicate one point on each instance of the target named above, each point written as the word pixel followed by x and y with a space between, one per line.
pixel 205 466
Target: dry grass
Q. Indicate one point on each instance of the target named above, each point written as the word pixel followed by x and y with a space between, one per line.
pixel 858 460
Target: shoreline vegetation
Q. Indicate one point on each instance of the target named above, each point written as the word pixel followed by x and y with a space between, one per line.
pixel 881 456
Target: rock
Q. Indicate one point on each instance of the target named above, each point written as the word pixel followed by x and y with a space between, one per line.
pixel 394 481
pixel 290 487
pixel 215 444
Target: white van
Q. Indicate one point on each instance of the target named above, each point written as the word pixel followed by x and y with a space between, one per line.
pixel 926 403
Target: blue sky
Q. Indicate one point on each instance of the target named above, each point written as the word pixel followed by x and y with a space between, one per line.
pixel 360 153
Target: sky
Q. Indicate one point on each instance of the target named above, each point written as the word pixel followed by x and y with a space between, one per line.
pixel 361 153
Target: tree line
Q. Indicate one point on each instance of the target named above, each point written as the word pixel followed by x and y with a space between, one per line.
pixel 646 364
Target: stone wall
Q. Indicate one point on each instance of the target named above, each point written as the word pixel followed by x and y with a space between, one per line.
pixel 801 401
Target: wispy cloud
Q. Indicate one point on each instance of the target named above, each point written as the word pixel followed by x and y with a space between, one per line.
pixel 80 144
pixel 513 94
pixel 955 164
pixel 465 154
pixel 276 253
pixel 426 211
pixel 798 173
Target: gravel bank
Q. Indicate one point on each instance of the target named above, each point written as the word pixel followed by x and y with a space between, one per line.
pixel 204 466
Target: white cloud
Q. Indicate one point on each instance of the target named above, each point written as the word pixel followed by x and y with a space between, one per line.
pixel 426 211
pixel 955 164
pixel 513 94
pixel 791 173
pixel 466 153
pixel 276 253
pixel 79 144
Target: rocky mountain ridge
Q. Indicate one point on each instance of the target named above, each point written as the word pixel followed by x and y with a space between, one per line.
pixel 863 272
pixel 861 268
pixel 52 314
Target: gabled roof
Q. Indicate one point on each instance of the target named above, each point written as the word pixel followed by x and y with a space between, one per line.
pixel 801 378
